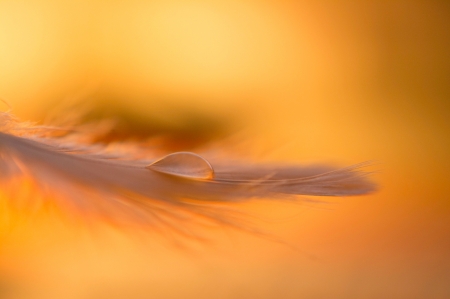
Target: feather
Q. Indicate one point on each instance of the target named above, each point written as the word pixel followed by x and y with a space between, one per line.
pixel 176 186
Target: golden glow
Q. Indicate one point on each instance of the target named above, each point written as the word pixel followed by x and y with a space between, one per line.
pixel 324 81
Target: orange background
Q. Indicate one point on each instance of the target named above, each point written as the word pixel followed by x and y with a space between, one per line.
pixel 310 81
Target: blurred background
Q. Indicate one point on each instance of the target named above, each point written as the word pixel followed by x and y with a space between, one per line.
pixel 307 81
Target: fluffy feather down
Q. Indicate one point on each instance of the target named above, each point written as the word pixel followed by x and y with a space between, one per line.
pixel 131 189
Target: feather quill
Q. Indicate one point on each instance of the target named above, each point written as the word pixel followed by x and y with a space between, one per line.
pixel 174 187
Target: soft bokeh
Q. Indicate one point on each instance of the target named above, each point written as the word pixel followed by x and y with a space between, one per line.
pixel 308 81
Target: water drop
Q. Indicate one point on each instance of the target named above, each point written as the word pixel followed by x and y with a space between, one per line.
pixel 184 164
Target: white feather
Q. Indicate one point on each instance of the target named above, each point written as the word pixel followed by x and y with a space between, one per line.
pixel 151 191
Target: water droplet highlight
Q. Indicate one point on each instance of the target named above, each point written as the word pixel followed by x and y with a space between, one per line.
pixel 184 164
